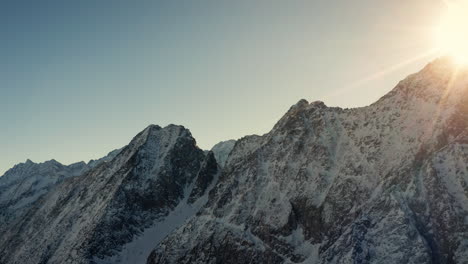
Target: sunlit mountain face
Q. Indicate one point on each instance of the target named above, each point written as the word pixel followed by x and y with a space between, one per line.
pixel 386 183
pixel 382 183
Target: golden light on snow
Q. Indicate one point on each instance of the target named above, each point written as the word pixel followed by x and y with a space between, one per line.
pixel 452 35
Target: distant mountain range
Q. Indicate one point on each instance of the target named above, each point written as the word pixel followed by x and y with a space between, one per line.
pixel 386 183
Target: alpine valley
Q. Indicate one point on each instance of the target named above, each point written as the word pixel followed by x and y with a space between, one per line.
pixel 385 183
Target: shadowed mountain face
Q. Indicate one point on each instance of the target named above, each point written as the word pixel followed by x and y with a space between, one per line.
pixel 222 150
pixel 25 183
pixel 386 183
pixel 90 217
pixel 22 185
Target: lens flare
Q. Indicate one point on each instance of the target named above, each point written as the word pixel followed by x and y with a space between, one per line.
pixel 453 31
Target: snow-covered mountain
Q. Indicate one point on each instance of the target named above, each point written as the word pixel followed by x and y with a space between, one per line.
pixel 386 183
pixel 25 183
pixel 155 182
pixel 94 163
pixel 221 151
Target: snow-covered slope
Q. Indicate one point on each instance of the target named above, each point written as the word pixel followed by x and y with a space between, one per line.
pixel 107 158
pixel 98 216
pixel 222 150
pixel 387 183
pixel 26 182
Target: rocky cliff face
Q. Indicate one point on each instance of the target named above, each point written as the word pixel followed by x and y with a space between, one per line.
pixel 387 183
pixel 92 217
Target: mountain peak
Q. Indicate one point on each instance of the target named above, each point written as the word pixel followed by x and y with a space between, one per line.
pixel 331 185
pixel 441 82
pixel 152 127
pixel 301 103
pixel 318 104
pixel 52 162
pixel 222 149
pixel 444 64
pixel 304 104
pixel 443 67
pixel 378 184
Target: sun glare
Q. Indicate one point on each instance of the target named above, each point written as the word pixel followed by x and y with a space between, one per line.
pixel 453 31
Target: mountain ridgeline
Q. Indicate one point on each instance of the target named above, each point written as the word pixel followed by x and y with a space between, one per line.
pixel 386 183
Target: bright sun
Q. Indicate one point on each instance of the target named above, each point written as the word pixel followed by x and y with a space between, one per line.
pixel 453 31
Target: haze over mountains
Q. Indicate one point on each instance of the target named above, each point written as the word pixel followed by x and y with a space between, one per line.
pixel 386 183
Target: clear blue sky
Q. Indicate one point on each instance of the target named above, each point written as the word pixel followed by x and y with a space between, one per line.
pixel 80 78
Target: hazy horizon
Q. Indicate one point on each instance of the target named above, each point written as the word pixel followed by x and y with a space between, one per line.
pixel 83 78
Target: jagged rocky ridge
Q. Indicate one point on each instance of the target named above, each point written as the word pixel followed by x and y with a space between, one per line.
pixel 89 218
pixel 22 185
pixel 386 183
pixel 26 182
